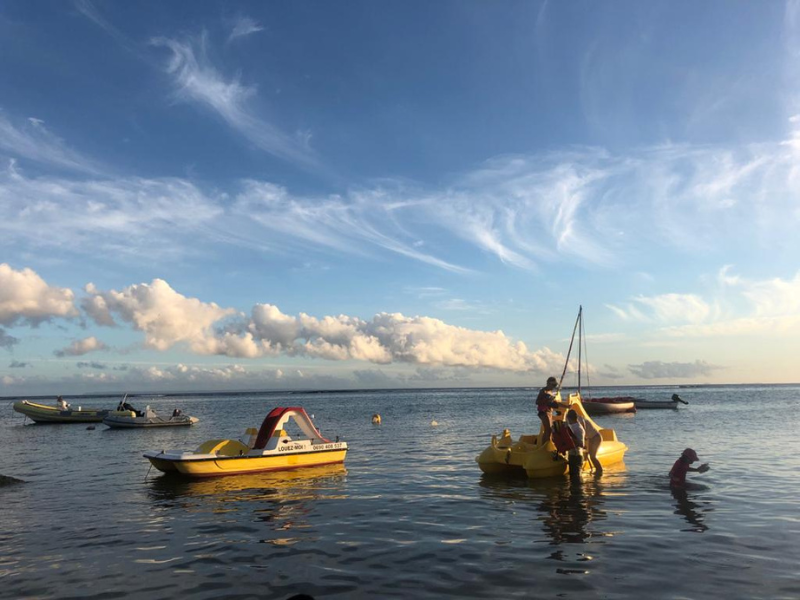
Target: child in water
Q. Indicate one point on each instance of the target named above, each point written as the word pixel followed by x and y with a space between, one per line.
pixel 677 475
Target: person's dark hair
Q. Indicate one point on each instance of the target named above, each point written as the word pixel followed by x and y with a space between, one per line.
pixel 572 415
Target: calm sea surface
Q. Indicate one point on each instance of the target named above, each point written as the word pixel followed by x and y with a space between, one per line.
pixel 410 516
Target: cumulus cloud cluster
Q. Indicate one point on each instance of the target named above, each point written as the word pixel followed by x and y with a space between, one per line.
pixel 167 318
pixel 27 298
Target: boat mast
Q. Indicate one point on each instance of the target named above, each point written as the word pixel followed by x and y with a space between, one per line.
pixel 569 351
pixel 580 347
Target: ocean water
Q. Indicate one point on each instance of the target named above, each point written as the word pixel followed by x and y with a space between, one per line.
pixel 410 514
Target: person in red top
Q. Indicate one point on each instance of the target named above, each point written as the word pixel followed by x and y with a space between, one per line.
pixel 545 402
pixel 677 475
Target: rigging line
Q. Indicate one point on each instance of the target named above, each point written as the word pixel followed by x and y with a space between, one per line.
pixel 586 354
pixel 569 351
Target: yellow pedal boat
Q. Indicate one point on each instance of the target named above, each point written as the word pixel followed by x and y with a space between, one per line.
pixel 505 456
pixel 269 448
pixel 41 413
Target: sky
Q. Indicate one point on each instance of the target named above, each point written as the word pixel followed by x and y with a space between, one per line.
pixel 345 195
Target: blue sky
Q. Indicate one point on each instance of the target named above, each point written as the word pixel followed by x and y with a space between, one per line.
pixel 273 195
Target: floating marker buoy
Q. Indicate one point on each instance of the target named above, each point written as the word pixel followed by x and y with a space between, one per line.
pixel 376 419
pixel 434 424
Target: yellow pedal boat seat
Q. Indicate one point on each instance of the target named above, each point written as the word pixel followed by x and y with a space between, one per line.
pixel 223 447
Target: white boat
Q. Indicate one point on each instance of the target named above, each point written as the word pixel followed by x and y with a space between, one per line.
pixel 609 406
pixel 127 419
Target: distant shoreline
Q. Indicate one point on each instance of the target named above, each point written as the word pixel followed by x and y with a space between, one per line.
pixel 207 393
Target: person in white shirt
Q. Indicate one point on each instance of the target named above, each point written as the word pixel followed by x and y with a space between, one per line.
pixel 62 404
pixel 588 436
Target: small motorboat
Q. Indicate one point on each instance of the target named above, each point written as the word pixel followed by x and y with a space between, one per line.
pixel 673 404
pixel 122 419
pixel 609 406
pixel 42 413
pixel 526 455
pixel 269 448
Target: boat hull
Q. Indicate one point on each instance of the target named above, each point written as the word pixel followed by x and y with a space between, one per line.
pixel 538 462
pixel 666 404
pixel 608 407
pixel 218 466
pixel 118 422
pixel 41 413
pixel 503 456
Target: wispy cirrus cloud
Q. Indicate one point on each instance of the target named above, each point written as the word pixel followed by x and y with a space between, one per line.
pixel 755 308
pixel 198 81
pixel 664 308
pixel 738 307
pixel 90 11
pixel 31 140
pixel 242 26
pixel 127 216
pixel 364 219
pixel 585 206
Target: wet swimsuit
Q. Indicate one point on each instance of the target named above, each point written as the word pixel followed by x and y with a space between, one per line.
pixel 677 475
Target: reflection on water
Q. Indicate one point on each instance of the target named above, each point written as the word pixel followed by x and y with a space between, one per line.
pixel 570 510
pixel 299 484
pixel 282 499
pixel 567 511
pixel 691 510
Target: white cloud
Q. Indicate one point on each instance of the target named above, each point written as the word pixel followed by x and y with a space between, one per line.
pixel 81 347
pixel 126 217
pixel 168 318
pixel 165 316
pixel 242 27
pixel 33 141
pixel 12 381
pixel 584 206
pixel 657 369
pixel 352 225
pixel 764 308
pixel 665 308
pixel 774 297
pixel 197 80
pixel 26 298
pixel 87 9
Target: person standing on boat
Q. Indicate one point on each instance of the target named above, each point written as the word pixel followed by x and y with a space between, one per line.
pixel 62 404
pixel 545 402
